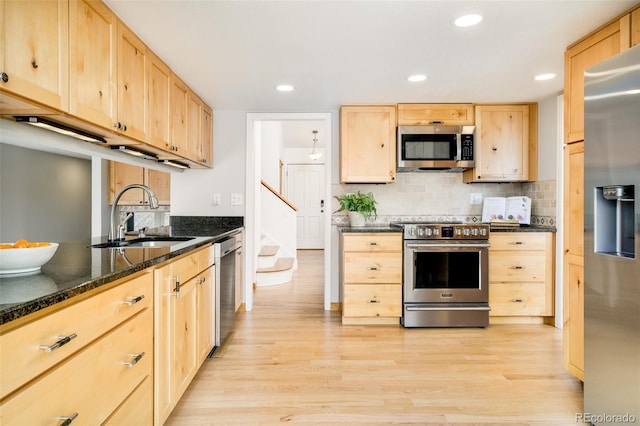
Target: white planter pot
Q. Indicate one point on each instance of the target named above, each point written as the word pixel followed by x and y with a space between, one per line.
pixel 356 219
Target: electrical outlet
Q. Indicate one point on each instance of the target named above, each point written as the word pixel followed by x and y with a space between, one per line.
pixel 476 198
pixel 217 199
pixel 236 199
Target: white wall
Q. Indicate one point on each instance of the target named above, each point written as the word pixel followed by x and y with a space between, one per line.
pixel 271 152
pixel 192 191
pixel 547 138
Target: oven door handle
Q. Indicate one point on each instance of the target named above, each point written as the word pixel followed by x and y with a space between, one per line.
pixel 447 308
pixel 427 246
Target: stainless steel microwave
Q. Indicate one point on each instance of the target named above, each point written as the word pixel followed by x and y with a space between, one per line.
pixel 448 148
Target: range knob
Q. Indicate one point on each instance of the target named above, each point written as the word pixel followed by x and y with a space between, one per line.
pixel 421 232
pixel 465 232
pixel 411 231
pixel 428 232
pixel 458 231
pixel 474 231
pixel 436 232
pixel 483 232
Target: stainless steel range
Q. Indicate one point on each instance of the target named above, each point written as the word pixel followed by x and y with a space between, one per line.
pixel 445 274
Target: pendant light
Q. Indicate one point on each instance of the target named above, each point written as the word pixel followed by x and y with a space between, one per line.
pixel 315 155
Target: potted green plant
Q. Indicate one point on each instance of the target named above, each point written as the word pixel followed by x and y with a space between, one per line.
pixel 359 207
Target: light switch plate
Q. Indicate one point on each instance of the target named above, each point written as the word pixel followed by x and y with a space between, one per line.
pixel 476 198
pixel 236 199
pixel 217 199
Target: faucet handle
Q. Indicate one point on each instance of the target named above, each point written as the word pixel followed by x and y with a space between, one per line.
pixel 141 232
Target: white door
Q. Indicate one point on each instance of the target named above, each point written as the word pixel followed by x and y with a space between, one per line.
pixel 305 189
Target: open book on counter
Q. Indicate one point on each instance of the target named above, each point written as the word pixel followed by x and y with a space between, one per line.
pixel 507 210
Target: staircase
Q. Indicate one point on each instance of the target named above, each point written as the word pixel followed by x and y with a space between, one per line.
pixel 274 267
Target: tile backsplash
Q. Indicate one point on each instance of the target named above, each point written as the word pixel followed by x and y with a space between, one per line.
pixel 443 196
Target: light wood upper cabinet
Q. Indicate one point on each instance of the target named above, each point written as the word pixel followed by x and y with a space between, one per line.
pixel 92 62
pixel 131 117
pixel 505 144
pixel 425 114
pixel 179 112
pixel 34 50
pixel 159 91
pixel 590 51
pixel 206 145
pixel 194 126
pixel 635 27
pixel 367 143
pixel 122 174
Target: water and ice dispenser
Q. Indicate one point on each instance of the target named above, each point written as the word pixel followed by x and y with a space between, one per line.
pixel 614 220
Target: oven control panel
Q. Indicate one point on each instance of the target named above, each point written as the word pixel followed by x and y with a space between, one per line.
pixel 443 231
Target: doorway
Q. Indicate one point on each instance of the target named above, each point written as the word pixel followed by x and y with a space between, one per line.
pixel 254 153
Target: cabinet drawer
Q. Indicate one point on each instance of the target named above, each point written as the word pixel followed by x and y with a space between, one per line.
pixel 93 383
pixel 518 299
pixel 362 300
pixel 374 242
pixel 206 257
pixel 523 266
pixel 372 267
pixel 137 409
pixel 22 358
pixel 518 241
pixel 186 267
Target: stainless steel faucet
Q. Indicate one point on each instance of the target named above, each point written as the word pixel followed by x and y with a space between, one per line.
pixel 116 233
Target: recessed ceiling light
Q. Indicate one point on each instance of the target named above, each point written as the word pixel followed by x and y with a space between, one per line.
pixel 467 20
pixel 417 77
pixel 284 88
pixel 547 76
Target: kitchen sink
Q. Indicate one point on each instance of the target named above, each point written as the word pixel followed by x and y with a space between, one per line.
pixel 144 242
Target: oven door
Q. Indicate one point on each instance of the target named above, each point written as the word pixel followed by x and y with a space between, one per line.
pixel 446 271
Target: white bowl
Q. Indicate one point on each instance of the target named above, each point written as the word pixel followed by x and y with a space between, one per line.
pixel 21 260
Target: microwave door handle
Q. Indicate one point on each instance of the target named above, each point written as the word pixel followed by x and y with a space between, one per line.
pixel 458 147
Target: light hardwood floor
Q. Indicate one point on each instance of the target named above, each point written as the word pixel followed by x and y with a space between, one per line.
pixel 290 361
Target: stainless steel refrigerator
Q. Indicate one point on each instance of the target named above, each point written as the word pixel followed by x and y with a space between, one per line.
pixel 612 240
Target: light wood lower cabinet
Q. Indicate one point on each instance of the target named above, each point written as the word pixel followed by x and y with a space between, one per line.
pixel 89 375
pixel 371 272
pixel 521 276
pixel 184 325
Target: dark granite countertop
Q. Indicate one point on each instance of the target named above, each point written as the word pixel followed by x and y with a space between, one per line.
pixel 76 268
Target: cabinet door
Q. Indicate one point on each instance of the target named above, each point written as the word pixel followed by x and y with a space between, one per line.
pixel 92 62
pixel 194 126
pixel 635 27
pixel 160 183
pixel 206 137
pixel 34 50
pixel 502 139
pixel 132 85
pixel 239 288
pixel 121 175
pixel 573 332
pixel 594 49
pixel 159 80
pixel 425 114
pixel 179 110
pixel 185 322
pixel 164 308
pixel 368 144
pixel 574 199
pixel 206 310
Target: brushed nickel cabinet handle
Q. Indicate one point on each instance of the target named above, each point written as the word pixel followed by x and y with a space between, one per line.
pixel 517 300
pixel 518 267
pixel 63 341
pixel 373 243
pixel 373 301
pixel 133 300
pixel 373 268
pixel 67 419
pixel 135 360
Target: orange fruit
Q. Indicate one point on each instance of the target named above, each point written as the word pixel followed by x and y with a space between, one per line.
pixel 6 246
pixel 21 244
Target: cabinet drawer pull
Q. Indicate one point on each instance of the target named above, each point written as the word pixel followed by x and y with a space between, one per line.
pixel 373 301
pixel 135 360
pixel 63 341
pixel 517 243
pixel 517 300
pixel 4 77
pixel 202 280
pixel 67 419
pixel 373 268
pixel 176 288
pixel 517 267
pixel 372 243
pixel 133 300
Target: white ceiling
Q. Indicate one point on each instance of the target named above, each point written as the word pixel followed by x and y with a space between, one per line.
pixel 234 52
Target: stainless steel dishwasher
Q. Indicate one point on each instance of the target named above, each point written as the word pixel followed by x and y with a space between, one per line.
pixel 225 261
